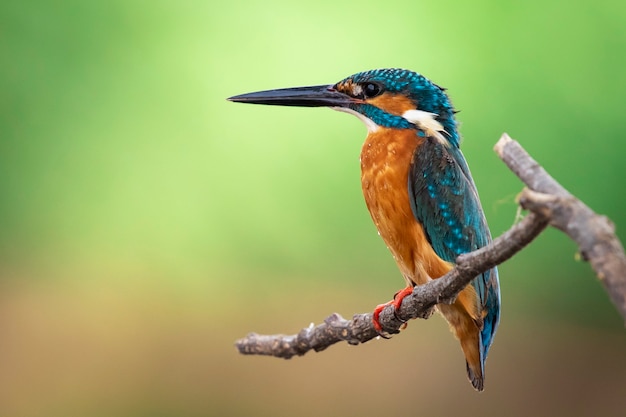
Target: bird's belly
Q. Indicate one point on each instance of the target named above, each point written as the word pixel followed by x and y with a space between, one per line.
pixel 385 161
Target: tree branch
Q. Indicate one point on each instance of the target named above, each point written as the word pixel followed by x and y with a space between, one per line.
pixel 549 204
pixel 594 234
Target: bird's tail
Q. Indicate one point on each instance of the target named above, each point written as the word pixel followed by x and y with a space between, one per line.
pixel 468 332
pixel 471 344
pixel 476 337
pixel 476 374
pixel 486 326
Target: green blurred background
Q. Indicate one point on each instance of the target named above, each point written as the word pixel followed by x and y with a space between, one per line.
pixel 147 223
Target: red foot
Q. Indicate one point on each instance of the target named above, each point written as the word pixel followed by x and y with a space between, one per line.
pixel 396 302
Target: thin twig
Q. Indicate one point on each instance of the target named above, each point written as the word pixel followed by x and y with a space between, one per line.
pixel 419 304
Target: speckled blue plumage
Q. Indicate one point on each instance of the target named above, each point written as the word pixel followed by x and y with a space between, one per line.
pixel 381 117
pixel 445 201
pixel 427 96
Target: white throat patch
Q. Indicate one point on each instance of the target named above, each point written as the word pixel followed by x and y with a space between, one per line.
pixel 369 123
pixel 428 122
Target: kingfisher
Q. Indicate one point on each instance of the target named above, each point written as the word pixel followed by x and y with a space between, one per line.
pixel 418 190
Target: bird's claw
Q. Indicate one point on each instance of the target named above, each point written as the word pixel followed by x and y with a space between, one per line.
pixel 396 303
pixel 376 320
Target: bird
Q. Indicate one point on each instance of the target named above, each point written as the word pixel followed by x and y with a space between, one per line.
pixel 418 189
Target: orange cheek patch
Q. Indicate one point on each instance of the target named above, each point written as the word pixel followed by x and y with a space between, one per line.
pixel 347 87
pixel 392 103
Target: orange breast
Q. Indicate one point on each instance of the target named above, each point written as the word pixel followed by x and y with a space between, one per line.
pixel 385 160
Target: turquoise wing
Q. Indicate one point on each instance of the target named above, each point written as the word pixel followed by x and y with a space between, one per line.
pixel 445 201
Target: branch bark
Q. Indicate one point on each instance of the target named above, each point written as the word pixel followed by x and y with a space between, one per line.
pixel 594 234
pixel 549 204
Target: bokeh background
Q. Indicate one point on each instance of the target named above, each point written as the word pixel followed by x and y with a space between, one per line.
pixel 146 223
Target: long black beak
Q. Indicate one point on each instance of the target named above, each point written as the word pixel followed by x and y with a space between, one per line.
pixel 316 96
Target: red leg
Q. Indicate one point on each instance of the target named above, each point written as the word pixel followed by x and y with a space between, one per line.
pixel 376 315
pixel 396 302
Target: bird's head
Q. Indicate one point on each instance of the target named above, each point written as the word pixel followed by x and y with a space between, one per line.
pixel 388 98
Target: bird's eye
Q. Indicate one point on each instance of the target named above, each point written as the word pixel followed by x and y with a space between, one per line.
pixel 371 90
